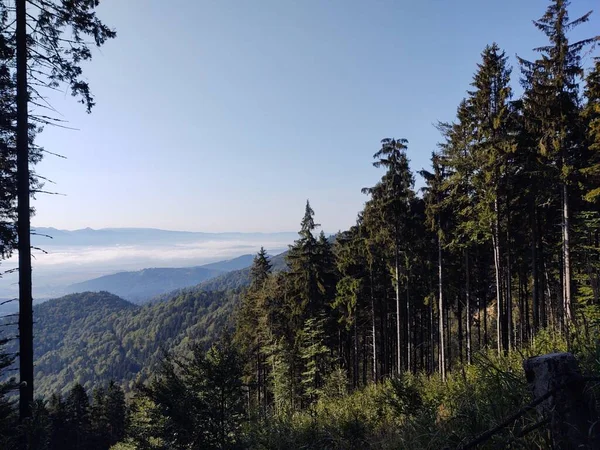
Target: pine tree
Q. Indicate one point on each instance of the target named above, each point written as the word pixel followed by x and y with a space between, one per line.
pixel 78 420
pixel 591 115
pixel 249 333
pixel 351 291
pixel 47 51
pixel 551 99
pixel 434 198
pixel 60 433
pixel 389 206
pixel 260 270
pixel 198 402
pixel 315 355
pixel 108 416
pixel 491 113
pixel 302 259
pixel 587 250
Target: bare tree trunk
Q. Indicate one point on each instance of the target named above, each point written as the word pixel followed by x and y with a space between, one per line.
pixel 448 341
pixel 546 295
pixel 431 339
pixel 479 320
pixel 526 307
pixel 509 309
pixel 398 315
pixel 258 402
pixel 468 301
pixel 497 259
pixel 365 354
pixel 385 339
pixel 460 328
pixel 482 296
pixel 409 340
pixel 356 353
pixel 442 345
pixel 567 306
pixel 373 327
pixel 23 220
pixel 534 268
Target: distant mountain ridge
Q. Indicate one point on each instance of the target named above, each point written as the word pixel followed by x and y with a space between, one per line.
pixel 240 278
pixel 93 337
pixel 241 262
pixel 136 236
pixel 141 285
pixel 156 284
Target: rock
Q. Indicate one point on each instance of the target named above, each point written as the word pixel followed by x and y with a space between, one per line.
pixel 571 413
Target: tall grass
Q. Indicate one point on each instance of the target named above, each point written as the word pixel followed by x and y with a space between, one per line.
pixel 421 412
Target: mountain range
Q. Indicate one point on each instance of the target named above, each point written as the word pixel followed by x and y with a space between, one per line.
pixel 71 257
pixel 142 285
pixel 93 337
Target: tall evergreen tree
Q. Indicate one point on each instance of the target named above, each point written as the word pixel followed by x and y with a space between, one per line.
pixel 78 419
pixel 249 335
pixel 435 194
pixel 352 289
pixel 260 269
pixel 302 259
pixel 591 114
pixel 108 417
pixel 389 206
pixel 47 46
pixel 552 102
pixel 494 144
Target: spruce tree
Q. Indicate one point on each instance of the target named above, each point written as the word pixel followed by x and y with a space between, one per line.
pixel 493 147
pixel 351 291
pixel 78 420
pixel 591 116
pixel 260 269
pixel 389 207
pixel 45 46
pixel 435 194
pixel 305 270
pixel 60 428
pixel 249 334
pixel 552 101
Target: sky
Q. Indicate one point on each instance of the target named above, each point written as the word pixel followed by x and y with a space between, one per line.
pixel 228 115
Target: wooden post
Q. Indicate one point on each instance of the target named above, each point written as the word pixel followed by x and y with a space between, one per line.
pixel 571 414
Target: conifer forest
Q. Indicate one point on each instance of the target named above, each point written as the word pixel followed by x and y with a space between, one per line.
pixel 406 331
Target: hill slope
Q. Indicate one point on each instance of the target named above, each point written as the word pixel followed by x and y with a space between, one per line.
pixel 239 278
pixel 241 262
pixel 142 285
pixel 92 338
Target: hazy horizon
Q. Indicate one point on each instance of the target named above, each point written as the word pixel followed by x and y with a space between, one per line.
pixel 79 255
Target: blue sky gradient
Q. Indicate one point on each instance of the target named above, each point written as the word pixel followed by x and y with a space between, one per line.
pixel 227 115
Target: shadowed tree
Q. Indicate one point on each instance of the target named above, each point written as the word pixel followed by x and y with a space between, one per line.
pixel 551 102
pixel 45 42
pixel 389 207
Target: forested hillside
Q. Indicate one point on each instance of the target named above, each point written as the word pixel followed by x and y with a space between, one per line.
pixel 93 338
pixel 240 278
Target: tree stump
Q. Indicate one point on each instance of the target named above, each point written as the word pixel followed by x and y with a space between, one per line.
pixel 572 414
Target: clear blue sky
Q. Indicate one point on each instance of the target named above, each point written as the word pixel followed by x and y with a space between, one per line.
pixel 228 115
